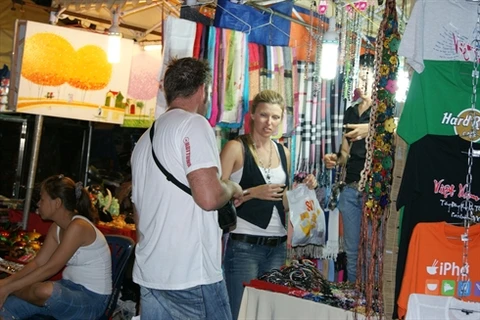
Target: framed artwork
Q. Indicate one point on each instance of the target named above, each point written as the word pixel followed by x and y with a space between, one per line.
pixel 63 72
pixel 143 86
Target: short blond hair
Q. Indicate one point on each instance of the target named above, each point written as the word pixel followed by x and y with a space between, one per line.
pixel 268 96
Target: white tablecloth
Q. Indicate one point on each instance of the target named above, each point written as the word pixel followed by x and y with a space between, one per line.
pixel 261 304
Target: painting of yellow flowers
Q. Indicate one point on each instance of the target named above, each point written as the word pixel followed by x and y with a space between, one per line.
pixel 62 72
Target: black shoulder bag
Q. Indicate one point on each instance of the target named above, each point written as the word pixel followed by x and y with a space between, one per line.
pixel 227 215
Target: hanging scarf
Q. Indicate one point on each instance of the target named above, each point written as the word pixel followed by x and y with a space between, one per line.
pixel 198 39
pixel 288 89
pixel 263 68
pixel 216 94
pixel 212 34
pixel 234 71
pixel 254 59
pixel 179 41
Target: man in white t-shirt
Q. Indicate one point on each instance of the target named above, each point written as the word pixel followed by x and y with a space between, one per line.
pixel 178 254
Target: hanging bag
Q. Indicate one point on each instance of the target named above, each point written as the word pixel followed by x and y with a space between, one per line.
pixel 338 185
pixel 227 215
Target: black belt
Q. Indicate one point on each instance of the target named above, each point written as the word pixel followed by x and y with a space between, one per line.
pixel 263 241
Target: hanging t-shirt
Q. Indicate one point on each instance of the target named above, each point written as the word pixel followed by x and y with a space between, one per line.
pixel 435 263
pixel 439 102
pixel 439 30
pixel 432 187
pixel 426 307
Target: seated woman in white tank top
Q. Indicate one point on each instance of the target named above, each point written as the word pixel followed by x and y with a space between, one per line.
pixel 72 242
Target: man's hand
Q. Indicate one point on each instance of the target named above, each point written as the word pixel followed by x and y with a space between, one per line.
pixel 330 160
pixel 237 193
pixel 358 131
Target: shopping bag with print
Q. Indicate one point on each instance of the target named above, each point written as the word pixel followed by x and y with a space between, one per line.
pixel 308 221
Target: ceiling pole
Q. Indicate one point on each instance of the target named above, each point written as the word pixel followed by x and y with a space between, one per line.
pixel 107 22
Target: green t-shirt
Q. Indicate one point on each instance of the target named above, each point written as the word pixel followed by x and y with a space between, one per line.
pixel 439 102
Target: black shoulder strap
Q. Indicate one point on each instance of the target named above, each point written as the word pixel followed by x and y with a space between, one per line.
pixel 169 176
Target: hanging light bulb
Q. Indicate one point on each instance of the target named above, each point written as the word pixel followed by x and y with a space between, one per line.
pixel 329 58
pixel 114 39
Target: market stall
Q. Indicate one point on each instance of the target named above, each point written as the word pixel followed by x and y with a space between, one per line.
pixel 277 47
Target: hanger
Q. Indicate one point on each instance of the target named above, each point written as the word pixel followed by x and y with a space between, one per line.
pixel 466 311
pixel 243 21
pixel 270 23
pixel 463 223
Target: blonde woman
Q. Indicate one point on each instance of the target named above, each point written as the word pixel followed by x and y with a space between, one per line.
pixel 260 166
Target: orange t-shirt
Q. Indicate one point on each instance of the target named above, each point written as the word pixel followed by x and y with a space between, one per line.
pixel 435 260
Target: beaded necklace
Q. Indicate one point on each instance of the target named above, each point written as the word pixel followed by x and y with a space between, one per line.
pixel 265 168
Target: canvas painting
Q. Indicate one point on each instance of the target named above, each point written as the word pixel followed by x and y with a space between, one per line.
pixel 143 85
pixel 65 73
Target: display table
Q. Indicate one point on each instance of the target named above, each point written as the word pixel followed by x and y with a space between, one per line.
pixel 132 234
pixel 262 304
pixel 36 223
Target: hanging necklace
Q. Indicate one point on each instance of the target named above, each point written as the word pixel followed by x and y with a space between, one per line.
pixel 265 168
pixel 469 217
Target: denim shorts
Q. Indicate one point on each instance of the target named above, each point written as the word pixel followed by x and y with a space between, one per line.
pixel 68 301
pixel 204 302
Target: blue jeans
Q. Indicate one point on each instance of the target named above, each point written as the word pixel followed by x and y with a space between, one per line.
pixel 208 302
pixel 350 205
pixel 244 262
pixel 68 301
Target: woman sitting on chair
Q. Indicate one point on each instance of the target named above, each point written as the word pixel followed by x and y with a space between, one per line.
pixel 72 242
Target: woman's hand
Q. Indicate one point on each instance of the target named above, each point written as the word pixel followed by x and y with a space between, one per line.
pixel 330 160
pixel 272 192
pixel 310 181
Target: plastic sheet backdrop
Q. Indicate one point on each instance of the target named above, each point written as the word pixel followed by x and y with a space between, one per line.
pixel 244 18
pixel 308 222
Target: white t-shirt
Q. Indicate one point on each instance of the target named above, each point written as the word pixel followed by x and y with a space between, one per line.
pixel 422 306
pixel 439 30
pixel 179 244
